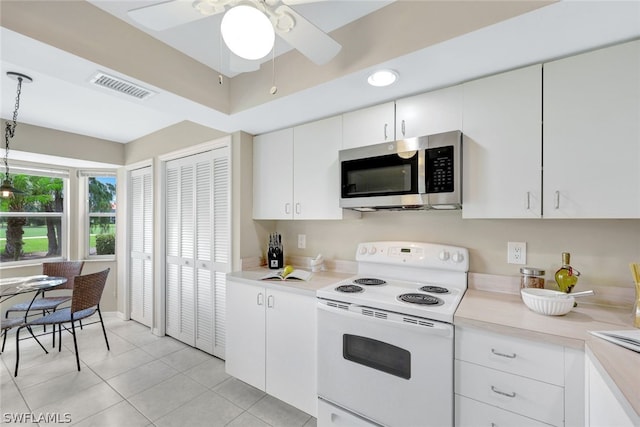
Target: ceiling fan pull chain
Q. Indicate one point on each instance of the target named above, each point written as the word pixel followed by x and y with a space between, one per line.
pixel 274 88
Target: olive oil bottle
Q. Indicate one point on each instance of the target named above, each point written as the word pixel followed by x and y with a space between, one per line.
pixel 566 276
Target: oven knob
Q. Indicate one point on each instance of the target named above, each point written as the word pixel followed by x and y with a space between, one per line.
pixel 457 257
pixel 372 250
pixel 363 250
pixel 444 255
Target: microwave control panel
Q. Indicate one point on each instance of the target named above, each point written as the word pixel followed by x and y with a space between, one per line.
pixel 439 171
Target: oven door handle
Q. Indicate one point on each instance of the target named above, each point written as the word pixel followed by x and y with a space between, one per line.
pixel 417 324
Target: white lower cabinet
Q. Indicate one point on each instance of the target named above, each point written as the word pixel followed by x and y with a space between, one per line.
pixel 271 342
pixel 472 413
pixel 505 381
pixel 606 405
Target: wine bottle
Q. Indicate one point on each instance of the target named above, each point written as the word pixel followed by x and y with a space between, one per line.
pixel 566 276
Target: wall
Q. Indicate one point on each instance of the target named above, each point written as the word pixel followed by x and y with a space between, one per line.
pixel 40 140
pixel 248 234
pixel 172 138
pixel 600 249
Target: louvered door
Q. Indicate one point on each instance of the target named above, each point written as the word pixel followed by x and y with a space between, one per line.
pixel 198 248
pixel 141 245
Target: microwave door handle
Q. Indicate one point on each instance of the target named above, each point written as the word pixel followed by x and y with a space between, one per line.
pixel 423 171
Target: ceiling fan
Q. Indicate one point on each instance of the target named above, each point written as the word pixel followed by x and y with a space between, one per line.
pixel 292 27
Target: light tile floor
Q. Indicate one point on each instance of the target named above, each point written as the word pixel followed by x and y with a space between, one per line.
pixel 145 380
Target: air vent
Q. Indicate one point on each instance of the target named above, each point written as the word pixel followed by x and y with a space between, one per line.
pixel 417 321
pixel 122 86
pixel 373 313
pixel 336 305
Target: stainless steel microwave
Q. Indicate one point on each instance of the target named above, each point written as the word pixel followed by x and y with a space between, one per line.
pixel 414 173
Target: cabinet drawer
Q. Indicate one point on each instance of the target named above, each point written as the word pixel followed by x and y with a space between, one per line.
pixel 534 399
pixel 544 362
pixel 471 413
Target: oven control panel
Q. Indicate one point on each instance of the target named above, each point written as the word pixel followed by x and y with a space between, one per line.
pixel 414 254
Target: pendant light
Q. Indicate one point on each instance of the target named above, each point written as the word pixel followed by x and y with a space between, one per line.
pixel 7 189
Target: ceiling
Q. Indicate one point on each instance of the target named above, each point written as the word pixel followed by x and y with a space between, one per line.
pixel 61 96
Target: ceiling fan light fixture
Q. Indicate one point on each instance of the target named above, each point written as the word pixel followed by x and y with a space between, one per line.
pixel 247 32
pixel 381 78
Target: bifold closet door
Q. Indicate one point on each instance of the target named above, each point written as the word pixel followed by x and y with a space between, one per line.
pixel 198 248
pixel 141 245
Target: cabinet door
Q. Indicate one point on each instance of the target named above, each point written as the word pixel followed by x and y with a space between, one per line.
pixel 245 343
pixel 592 134
pixel 291 349
pixel 317 170
pixel 273 175
pixel 368 126
pixel 607 406
pixel 502 145
pixel 429 113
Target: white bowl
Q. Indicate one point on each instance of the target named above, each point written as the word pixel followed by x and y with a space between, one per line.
pixel 547 301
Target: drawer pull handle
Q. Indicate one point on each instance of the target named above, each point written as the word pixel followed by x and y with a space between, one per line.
pixel 495 390
pixel 508 356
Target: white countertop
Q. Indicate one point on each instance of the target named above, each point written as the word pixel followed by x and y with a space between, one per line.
pixel 317 281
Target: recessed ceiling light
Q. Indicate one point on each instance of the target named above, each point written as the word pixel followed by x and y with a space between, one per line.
pixel 382 78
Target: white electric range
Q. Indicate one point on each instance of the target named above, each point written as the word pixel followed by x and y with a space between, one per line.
pixel 385 336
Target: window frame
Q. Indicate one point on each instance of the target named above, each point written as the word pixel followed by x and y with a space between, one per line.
pixel 63 174
pixel 85 235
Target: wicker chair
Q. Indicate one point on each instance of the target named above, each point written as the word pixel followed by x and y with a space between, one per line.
pixel 14 322
pixel 67 269
pixel 85 301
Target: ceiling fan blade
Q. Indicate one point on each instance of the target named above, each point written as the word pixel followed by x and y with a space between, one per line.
pixel 295 2
pixel 162 16
pixel 311 41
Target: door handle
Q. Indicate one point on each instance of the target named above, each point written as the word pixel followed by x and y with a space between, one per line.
pixel 287 208
pixel 528 201
pixel 298 210
pixel 270 301
pixel 260 299
pixel 402 127
pixel 557 200
pixel 385 131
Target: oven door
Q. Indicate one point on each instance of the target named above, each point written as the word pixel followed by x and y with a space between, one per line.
pixel 392 369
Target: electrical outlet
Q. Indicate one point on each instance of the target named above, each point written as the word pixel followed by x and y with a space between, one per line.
pixel 517 252
pixel 302 241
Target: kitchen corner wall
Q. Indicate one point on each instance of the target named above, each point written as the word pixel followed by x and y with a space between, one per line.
pixel 600 249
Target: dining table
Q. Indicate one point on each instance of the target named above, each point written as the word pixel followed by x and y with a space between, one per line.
pixel 13 286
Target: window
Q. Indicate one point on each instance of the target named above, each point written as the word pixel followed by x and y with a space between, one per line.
pixel 33 225
pixel 101 214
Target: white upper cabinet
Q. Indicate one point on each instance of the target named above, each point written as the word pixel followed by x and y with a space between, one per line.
pixel 429 113
pixel 502 145
pixel 296 172
pixel 591 134
pixel 273 175
pixel 368 126
pixel 316 169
